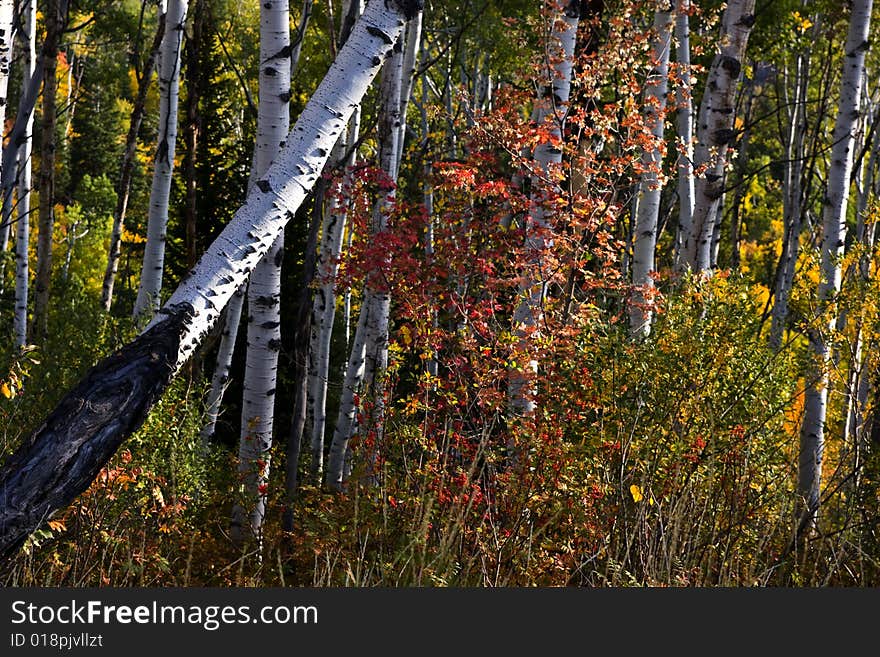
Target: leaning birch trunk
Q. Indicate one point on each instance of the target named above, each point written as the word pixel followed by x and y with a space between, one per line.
pixel 812 439
pixel 150 288
pixel 369 355
pixel 684 122
pixel 650 185
pixel 127 169
pixel 6 41
pixel 264 289
pixel 22 271
pixel 552 108
pixel 64 455
pixel 42 279
pixel 715 131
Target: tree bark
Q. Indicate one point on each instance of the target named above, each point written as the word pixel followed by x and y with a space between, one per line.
pixel 552 107
pixel 232 316
pixel 812 439
pixel 264 289
pixel 22 248
pixel 150 288
pixel 324 303
pixel 63 456
pixel 684 122
pixel 650 185
pixel 126 170
pixel 715 131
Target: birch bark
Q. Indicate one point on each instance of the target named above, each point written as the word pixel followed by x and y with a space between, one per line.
pixel 264 289
pixel 650 186
pixel 812 439
pixel 124 186
pixel 369 356
pixel 22 270
pixel 66 453
pixel 715 131
pixel 684 122
pixel 552 107
pixel 150 288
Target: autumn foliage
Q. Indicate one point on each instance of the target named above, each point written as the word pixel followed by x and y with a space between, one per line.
pixel 669 460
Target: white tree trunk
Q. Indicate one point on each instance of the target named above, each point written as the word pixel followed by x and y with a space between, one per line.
pixel 369 355
pixel 715 131
pixel 89 424
pixel 324 303
pixel 410 57
pixel 150 288
pixel 55 18
pixel 792 190
pixel 326 269
pixel 220 378
pixel 684 125
pixel 22 270
pixel 650 186
pixel 552 107
pixel 812 439
pixel 264 289
pixel 6 41
pixel 128 159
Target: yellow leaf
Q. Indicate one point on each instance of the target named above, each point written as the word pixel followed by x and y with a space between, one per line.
pixel 636 492
pixel 406 335
pixel 157 495
pixel 6 392
pixel 57 525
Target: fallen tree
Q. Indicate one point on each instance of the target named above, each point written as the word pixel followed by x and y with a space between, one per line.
pixel 64 455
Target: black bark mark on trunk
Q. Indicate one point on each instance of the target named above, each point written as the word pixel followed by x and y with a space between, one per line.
pixel 62 458
pixel 410 8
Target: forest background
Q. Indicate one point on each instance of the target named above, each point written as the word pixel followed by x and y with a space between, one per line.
pixel 586 293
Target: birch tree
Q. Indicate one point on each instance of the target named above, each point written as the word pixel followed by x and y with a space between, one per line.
pixel 6 42
pixel 551 108
pixel 795 87
pixel 232 315
pixel 264 289
pixel 22 242
pixel 715 131
pixel 650 185
pixel 684 123
pixel 326 268
pixel 65 454
pixel 7 39
pixel 123 187
pixel 812 438
pixel 150 288
pixel 369 353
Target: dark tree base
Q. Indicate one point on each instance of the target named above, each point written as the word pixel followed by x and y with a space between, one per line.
pixel 62 458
